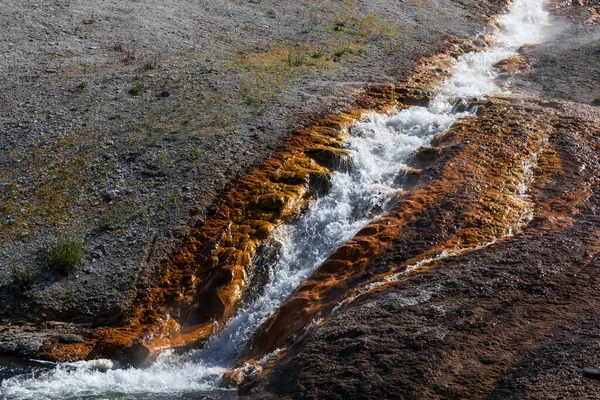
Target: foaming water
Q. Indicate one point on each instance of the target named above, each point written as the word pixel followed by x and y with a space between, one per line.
pixel 379 147
pixel 83 381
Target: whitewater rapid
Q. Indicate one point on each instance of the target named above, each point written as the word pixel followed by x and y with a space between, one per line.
pixel 379 146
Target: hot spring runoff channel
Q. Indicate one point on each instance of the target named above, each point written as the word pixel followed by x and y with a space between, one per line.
pixel 379 146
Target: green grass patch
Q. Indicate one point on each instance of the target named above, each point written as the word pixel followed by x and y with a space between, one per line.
pixel 23 278
pixel 108 223
pixel 65 254
pixel 318 54
pixel 136 89
pixel 339 53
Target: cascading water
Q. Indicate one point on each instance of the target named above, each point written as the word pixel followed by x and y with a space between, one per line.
pixel 379 147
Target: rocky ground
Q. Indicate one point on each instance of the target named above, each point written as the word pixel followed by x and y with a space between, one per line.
pixel 126 126
pixel 123 123
pixel 564 67
pixel 514 319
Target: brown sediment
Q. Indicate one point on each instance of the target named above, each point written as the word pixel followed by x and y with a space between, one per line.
pixel 431 72
pixel 66 351
pixel 517 64
pixel 469 198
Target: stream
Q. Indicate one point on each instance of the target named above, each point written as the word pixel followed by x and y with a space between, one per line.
pixel 380 145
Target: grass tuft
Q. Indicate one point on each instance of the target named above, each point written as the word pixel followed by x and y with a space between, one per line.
pixel 108 223
pixel 136 89
pixel 341 52
pixel 295 60
pixel 317 54
pixel 151 64
pixel 23 279
pixel 90 21
pixel 65 254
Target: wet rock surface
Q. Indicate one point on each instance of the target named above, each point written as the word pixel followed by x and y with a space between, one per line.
pixel 515 318
pixel 467 199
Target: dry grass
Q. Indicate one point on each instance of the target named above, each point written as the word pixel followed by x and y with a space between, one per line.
pixel 51 185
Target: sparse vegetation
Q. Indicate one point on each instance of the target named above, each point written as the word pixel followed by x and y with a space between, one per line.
pixel 23 278
pixel 65 254
pixel 317 54
pixel 136 89
pixel 61 176
pixel 271 14
pixel 60 173
pixel 151 64
pixel 128 50
pixel 90 21
pixel 295 60
pixel 339 25
pixel 108 223
pixel 341 52
pixel 596 101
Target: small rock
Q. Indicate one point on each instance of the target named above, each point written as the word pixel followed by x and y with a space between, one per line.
pixel 96 254
pixel 24 344
pixel 69 338
pixel 233 378
pixel 110 195
pixel 593 373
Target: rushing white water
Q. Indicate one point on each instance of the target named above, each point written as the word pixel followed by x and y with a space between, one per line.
pixel 379 147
